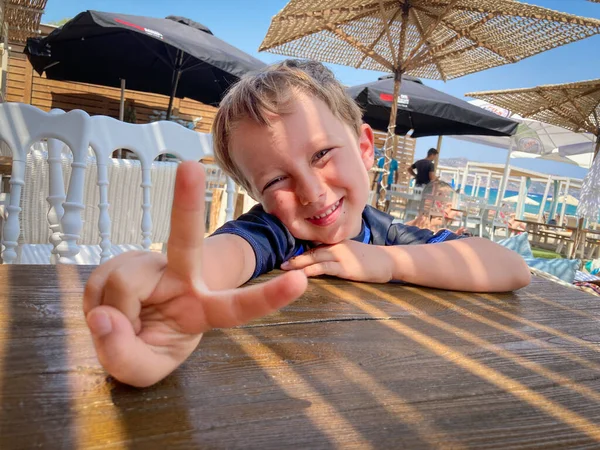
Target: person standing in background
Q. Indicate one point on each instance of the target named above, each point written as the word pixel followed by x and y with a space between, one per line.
pixel 425 169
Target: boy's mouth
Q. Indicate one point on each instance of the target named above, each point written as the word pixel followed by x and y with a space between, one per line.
pixel 328 216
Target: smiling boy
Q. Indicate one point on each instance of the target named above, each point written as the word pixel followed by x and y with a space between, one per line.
pixel 296 142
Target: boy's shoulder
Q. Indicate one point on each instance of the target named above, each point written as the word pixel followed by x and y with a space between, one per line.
pixel 385 231
pixel 269 238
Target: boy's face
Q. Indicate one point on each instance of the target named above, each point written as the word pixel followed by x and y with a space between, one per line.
pixel 309 169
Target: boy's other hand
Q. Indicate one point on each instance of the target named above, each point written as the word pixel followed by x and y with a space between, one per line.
pixel 147 311
pixel 351 260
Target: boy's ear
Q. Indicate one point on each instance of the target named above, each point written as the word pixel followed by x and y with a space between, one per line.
pixel 366 145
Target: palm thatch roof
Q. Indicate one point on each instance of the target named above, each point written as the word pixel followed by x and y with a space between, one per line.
pixel 23 18
pixel 574 106
pixel 437 39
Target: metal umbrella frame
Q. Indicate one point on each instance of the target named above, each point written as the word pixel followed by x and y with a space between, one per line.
pixel 439 39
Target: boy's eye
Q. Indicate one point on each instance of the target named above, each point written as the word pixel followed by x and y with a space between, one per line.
pixel 272 182
pixel 319 155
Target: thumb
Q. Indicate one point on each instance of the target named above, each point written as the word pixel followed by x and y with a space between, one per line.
pixel 123 354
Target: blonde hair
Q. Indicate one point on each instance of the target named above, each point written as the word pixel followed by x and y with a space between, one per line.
pixel 271 91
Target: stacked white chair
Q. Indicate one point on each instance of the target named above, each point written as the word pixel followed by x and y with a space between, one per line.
pixel 67 228
pixel 23 125
pixel 147 142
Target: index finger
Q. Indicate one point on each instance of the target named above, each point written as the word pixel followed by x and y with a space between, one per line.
pixel 184 249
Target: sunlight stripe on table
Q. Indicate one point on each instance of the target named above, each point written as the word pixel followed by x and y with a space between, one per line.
pixel 553 304
pixel 506 329
pixel 488 374
pixel 389 400
pixel 531 323
pixel 86 426
pixel 474 339
pixel 321 413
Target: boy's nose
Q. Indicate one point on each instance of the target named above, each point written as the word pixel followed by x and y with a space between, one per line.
pixel 309 190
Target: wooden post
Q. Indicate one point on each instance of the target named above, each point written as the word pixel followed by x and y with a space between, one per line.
pixel 215 208
pixel 239 205
pixel 28 83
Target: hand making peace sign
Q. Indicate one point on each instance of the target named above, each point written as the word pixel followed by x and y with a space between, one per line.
pixel 147 311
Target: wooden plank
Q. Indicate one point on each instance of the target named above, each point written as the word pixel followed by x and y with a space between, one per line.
pixel 239 205
pixel 28 83
pixel 15 62
pixel 215 208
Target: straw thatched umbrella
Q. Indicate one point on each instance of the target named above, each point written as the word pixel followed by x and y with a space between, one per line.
pixel 574 106
pixel 439 39
pixel 23 18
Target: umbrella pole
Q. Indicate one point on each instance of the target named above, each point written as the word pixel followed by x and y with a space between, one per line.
pixel 122 102
pixel 121 112
pixel 175 81
pixel 439 149
pixel 389 141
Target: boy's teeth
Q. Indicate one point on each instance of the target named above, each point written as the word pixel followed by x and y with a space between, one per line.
pixel 329 211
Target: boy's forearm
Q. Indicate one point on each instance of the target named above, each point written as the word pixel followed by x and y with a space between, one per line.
pixel 228 261
pixel 472 264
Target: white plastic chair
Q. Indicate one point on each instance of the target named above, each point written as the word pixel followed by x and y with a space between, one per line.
pixel 125 201
pixel 23 125
pixel 147 141
pixel 501 220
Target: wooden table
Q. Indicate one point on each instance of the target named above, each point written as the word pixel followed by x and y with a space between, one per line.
pixel 576 236
pixel 346 366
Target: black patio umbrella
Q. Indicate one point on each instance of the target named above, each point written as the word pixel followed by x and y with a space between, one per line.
pixel 173 56
pixel 425 110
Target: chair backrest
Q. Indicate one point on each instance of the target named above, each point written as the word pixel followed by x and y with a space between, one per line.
pixel 147 142
pixel 503 215
pixel 23 125
pixel 571 221
pixel 437 198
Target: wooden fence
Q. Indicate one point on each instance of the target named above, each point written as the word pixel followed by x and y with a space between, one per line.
pixel 26 86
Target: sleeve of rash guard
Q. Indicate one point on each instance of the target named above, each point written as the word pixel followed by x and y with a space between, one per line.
pixel 269 238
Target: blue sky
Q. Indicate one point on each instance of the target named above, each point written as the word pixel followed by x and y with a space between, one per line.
pixel 244 23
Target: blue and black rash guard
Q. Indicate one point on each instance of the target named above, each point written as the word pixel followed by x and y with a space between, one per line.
pixel 273 244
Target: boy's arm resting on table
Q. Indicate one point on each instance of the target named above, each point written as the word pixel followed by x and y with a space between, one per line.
pixel 228 261
pixel 473 264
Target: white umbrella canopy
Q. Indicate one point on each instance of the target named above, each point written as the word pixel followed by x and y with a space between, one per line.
pixel 532 137
pixel 557 155
pixel 536 139
pixel 515 199
pixel 568 199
